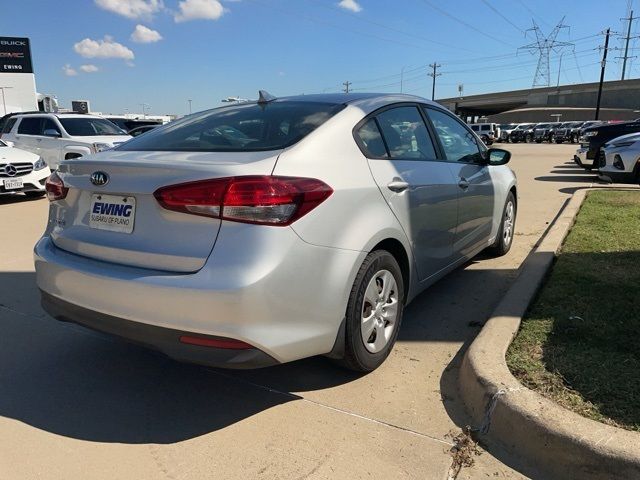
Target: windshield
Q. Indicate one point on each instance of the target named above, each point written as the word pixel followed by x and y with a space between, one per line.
pixel 239 128
pixel 542 125
pixel 90 127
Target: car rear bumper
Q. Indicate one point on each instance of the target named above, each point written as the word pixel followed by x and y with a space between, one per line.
pixel 283 296
pixel 165 340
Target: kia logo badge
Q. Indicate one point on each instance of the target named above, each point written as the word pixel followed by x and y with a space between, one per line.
pixel 99 178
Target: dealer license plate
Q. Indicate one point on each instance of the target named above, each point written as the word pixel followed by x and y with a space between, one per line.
pixel 115 213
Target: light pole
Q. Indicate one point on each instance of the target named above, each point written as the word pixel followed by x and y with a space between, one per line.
pixel 189 106
pixel 4 103
pixel 401 78
pixel 144 107
pixel 559 68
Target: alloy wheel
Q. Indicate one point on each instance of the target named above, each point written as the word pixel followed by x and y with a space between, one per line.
pixel 379 311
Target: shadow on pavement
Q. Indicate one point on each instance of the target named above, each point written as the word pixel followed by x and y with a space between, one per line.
pixel 18 198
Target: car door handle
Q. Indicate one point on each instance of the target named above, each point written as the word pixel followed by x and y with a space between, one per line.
pixel 463 183
pixel 397 186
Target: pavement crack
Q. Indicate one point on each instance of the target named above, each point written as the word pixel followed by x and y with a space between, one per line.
pixel 334 409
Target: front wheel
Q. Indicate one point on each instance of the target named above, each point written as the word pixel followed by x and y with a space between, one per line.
pixel 374 312
pixel 528 138
pixel 504 240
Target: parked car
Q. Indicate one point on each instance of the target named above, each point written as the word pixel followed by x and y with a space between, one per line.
pixel 486 132
pixel 544 132
pixel 21 172
pixel 619 160
pixel 593 138
pixel 128 124
pixel 57 136
pixel 140 130
pixel 522 133
pixel 304 236
pixel 564 132
pixel 505 131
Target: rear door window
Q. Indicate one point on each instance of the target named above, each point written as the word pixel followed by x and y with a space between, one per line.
pixel 405 134
pixel 9 125
pixel 30 126
pixel 240 128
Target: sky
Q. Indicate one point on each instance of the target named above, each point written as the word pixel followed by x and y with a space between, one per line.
pixel 119 54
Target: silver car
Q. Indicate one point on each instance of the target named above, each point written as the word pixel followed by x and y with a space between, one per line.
pixel 265 232
pixel 619 160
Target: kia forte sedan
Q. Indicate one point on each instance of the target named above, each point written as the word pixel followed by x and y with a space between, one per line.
pixel 269 231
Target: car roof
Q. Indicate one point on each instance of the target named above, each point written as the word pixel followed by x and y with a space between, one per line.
pixel 58 114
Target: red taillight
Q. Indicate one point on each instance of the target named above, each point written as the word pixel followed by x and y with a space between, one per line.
pixel 263 200
pixel 226 343
pixel 55 188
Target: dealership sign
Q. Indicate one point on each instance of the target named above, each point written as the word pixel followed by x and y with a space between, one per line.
pixel 15 55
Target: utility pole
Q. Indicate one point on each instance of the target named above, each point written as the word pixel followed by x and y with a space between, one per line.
pixel 626 46
pixel 144 107
pixel 346 84
pixel 434 74
pixel 604 66
pixel 189 106
pixel 559 68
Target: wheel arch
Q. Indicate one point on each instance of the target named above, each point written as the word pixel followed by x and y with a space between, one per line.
pixel 397 249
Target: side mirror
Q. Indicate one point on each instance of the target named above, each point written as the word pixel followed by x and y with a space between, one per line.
pixel 52 132
pixel 498 156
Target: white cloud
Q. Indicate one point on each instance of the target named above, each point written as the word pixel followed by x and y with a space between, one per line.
pixel 143 34
pixel 69 71
pixel 350 5
pixel 199 10
pixel 106 48
pixel 133 9
pixel 89 68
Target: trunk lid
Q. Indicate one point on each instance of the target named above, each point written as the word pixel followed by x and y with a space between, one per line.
pixel 159 239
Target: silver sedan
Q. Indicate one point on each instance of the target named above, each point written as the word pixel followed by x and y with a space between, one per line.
pixel 270 231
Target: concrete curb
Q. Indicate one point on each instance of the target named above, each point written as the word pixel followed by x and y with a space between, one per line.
pixel 556 442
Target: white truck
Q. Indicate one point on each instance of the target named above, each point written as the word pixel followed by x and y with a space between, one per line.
pixel 59 136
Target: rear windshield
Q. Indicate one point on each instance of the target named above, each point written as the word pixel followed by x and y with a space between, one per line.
pixel 239 128
pixel 90 127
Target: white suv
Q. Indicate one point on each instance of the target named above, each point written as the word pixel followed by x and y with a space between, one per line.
pixel 57 137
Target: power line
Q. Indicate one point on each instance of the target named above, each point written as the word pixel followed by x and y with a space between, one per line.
pixel 532 12
pixel 462 22
pixel 499 13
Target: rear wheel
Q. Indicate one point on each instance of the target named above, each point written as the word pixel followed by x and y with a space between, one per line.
pixel 374 312
pixel 528 138
pixel 504 240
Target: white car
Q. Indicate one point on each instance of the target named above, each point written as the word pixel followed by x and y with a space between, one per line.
pixel 58 136
pixel 22 172
pixel 269 231
pixel 619 160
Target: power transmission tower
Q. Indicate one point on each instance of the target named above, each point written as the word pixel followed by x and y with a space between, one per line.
pixel 626 46
pixel 346 84
pixel 543 46
pixel 435 66
pixel 602 70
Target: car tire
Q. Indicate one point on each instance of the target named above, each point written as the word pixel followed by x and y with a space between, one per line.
pixel 528 138
pixel 35 194
pixel 506 232
pixel 368 343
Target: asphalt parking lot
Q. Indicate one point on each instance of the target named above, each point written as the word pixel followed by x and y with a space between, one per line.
pixel 78 404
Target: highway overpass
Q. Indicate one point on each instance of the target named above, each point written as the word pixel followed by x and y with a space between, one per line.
pixel 574 102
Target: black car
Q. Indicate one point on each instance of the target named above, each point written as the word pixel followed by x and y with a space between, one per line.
pixel 568 132
pixel 593 138
pixel 544 132
pixel 128 124
pixel 522 133
pixel 140 130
